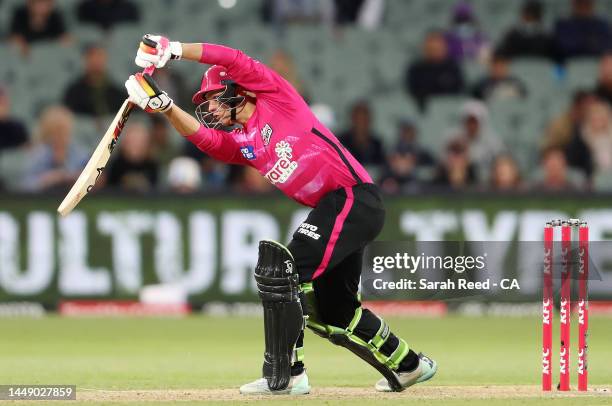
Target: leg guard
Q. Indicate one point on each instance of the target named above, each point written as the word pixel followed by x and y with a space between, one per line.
pixel 277 282
pixel 368 350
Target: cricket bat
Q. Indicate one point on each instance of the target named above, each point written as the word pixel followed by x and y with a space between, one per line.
pixel 96 164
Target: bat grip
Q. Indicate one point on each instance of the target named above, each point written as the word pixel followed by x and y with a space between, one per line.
pixel 148 71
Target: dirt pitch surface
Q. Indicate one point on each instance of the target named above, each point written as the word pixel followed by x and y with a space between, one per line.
pixel 425 392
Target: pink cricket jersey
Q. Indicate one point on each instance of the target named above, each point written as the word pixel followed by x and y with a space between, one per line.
pixel 283 139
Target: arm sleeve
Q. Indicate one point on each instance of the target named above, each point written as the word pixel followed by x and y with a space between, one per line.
pixel 18 23
pixel 57 27
pixel 245 70
pixel 218 144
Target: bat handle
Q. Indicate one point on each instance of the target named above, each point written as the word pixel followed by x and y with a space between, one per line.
pixel 151 44
pixel 149 70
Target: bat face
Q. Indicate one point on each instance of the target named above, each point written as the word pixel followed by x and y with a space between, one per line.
pixel 100 170
pixel 97 163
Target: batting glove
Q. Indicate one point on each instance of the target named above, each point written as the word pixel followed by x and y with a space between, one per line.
pixel 155 50
pixel 145 93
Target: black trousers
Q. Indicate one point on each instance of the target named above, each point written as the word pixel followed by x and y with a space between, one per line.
pixel 328 248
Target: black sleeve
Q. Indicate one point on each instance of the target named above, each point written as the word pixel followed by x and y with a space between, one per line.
pixel 116 96
pixel 379 155
pixel 506 45
pixel 12 134
pixel 72 98
pixel 132 12
pixel 410 81
pixel 82 11
pixel 19 22
pixel 415 86
pixel 56 26
pixel 578 154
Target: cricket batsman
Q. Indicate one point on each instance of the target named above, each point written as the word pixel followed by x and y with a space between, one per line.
pixel 249 115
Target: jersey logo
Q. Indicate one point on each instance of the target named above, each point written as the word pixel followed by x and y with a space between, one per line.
pixel 284 167
pixel 247 152
pixel 309 230
pixel 266 134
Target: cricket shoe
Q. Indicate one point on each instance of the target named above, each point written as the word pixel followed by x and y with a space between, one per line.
pixel 298 385
pixel 424 371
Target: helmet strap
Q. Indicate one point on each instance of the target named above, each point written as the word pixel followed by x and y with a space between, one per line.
pixel 231 93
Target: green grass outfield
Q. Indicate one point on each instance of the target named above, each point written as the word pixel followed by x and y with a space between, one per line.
pixel 136 361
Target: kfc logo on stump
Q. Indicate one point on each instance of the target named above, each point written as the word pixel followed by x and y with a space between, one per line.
pixel 284 167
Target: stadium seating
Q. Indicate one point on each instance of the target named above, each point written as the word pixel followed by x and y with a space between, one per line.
pixel 337 67
pixel 602 181
pixel 441 118
pixel 13 165
pixel 388 110
pixel 581 73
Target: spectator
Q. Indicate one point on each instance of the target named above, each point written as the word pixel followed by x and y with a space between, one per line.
pixel 134 168
pixel 603 90
pixel 360 140
pixel 93 93
pixel 54 162
pixel 367 14
pixel 215 174
pixel 529 37
pixel 184 175
pixel 505 174
pixel 407 158
pixel 249 181
pixel 591 147
pixel 283 64
pixel 371 15
pixel 106 13
pixel 408 140
pixel 282 12
pixel 455 171
pixel 465 39
pixel 173 83
pixel 37 20
pixel 583 33
pixel 554 172
pixel 163 148
pixel 480 139
pixel 499 84
pixel 434 74
pixel 347 11
pixel 12 132
pixel 561 129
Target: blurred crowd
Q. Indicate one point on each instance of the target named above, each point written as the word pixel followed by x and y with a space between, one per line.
pixel 575 146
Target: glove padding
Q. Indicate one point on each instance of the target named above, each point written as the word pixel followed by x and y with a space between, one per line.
pixel 157 51
pixel 145 93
